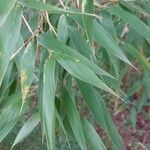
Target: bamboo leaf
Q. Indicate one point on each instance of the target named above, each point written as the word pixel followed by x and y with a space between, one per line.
pixel 143 62
pixel 62 29
pixel 47 41
pixel 74 119
pixel 9 115
pixel 48 102
pixel 73 63
pixel 137 55
pixel 5 8
pixel 18 57
pixel 99 110
pixel 79 42
pixel 42 6
pixel 38 5
pixel 105 39
pixel 133 21
pixel 87 6
pixel 62 126
pixel 9 34
pixel 27 128
pixel 108 25
pixel 92 136
pixel 134 7
pixel 27 69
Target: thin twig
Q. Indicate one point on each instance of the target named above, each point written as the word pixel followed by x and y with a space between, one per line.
pixel 45 14
pixel 28 26
pixel 61 2
pixel 48 21
pixel 29 39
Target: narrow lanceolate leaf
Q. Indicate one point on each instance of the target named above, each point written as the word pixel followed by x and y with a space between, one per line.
pixel 9 115
pixel 62 126
pixel 134 7
pixel 62 29
pixel 99 110
pixel 108 25
pixel 106 41
pixel 27 68
pixel 143 62
pixel 43 58
pixel 18 57
pixel 48 102
pixel 137 55
pixel 5 8
pixel 79 43
pixel 74 119
pixel 133 21
pixel 27 128
pixel 50 8
pixel 92 137
pixel 87 6
pixel 73 63
pixel 46 40
pixel 9 33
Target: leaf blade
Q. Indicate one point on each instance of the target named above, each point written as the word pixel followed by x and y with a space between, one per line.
pixel 73 65
pixel 27 128
pixel 9 115
pixel 9 34
pixel 105 39
pixel 48 102
pixel 74 119
pixel 5 8
pixel 87 6
pixel 92 136
pixel 100 112
pixel 27 69
pixel 133 21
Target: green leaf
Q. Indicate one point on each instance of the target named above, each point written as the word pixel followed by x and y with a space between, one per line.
pixel 9 34
pixel 74 119
pixel 5 8
pixel 87 6
pixel 62 29
pixel 99 110
pixel 44 57
pixel 105 40
pixel 134 7
pixel 50 8
pixel 62 126
pixel 73 64
pixel 48 102
pixel 9 115
pixel 47 41
pixel 92 136
pixel 79 43
pixel 143 62
pixel 18 57
pixel 9 78
pixel 134 88
pixel 137 55
pixel 133 21
pixel 27 128
pixel 108 25
pixel 27 68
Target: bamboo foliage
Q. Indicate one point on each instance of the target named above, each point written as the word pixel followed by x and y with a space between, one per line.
pixel 59 48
